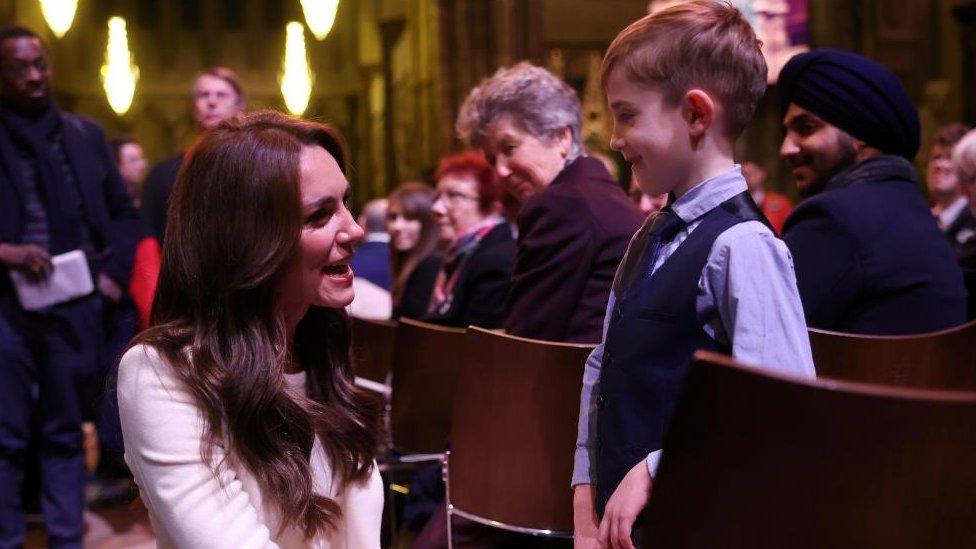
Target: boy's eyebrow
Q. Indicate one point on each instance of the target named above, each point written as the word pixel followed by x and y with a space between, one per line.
pixel 620 103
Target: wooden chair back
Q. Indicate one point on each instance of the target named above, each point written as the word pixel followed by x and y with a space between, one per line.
pixel 758 460
pixel 514 432
pixel 937 360
pixel 372 347
pixel 426 361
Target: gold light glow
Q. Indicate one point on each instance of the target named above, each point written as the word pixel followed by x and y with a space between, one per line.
pixel 119 73
pixel 296 77
pixel 320 16
pixel 59 15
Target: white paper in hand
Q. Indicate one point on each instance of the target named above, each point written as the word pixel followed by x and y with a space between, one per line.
pixel 70 279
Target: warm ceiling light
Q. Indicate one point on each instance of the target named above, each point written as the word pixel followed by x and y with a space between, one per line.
pixel 320 16
pixel 119 73
pixel 59 14
pixel 296 77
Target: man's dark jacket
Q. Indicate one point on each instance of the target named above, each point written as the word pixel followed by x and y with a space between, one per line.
pixel 967 260
pixel 869 256
pixel 109 213
pixel 572 235
pixel 156 195
pixel 960 230
pixel 372 262
pixel 482 284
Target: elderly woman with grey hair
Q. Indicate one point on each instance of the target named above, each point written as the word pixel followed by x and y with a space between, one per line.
pixel 575 221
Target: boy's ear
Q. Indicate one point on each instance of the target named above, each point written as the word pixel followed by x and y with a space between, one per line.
pixel 698 110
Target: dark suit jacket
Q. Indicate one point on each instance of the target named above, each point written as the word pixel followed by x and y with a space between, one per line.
pixel 372 262
pixel 482 283
pixel 960 230
pixel 572 235
pixel 869 256
pixel 417 290
pixel 156 194
pixel 113 221
pixel 967 260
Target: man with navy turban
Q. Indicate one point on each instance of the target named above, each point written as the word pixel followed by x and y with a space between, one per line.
pixel 868 254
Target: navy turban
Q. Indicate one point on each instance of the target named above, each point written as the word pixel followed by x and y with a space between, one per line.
pixel 856 94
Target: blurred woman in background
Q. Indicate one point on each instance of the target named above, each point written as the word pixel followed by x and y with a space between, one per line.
pixel 413 242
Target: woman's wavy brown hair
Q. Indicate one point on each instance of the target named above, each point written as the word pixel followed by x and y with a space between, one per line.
pixel 414 200
pixel 234 227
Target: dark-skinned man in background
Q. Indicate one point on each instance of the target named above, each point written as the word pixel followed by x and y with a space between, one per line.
pixel 59 192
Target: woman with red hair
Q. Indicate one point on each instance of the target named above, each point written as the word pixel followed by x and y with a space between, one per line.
pixel 475 277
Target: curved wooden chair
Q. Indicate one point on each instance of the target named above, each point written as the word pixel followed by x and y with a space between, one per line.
pixel 514 433
pixel 937 360
pixel 372 348
pixel 759 460
pixel 426 362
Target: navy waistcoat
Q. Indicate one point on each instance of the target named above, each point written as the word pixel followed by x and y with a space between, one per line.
pixel 653 332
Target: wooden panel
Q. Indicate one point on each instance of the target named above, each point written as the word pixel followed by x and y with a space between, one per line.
pixel 426 363
pixel 514 433
pixel 372 348
pixel 762 461
pixel 940 360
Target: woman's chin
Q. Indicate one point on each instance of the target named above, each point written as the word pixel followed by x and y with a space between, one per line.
pixel 335 299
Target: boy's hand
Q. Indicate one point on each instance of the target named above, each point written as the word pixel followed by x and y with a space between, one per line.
pixel 585 524
pixel 627 501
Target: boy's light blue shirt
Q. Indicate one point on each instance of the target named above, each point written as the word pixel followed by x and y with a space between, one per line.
pixel 747 298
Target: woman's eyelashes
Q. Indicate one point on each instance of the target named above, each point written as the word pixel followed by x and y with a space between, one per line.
pixel 327 208
pixel 318 217
pixel 322 213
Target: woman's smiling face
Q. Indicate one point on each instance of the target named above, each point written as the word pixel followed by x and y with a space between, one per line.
pixel 319 274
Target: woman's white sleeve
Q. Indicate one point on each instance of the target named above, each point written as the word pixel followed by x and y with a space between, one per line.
pixel 163 430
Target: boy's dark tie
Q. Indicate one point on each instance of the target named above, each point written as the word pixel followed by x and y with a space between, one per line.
pixel 664 227
pixel 636 264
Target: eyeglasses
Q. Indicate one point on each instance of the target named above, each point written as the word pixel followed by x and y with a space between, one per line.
pixel 453 196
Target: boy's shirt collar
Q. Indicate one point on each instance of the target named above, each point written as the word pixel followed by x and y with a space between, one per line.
pixel 708 194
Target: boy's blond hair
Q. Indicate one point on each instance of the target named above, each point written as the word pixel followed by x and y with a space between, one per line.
pixel 696 44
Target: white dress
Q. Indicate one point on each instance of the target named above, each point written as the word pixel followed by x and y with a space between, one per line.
pixel 189 507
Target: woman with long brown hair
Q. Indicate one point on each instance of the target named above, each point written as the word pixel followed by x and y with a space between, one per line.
pixel 413 243
pixel 242 424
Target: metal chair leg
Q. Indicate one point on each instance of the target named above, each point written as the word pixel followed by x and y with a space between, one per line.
pixel 391 508
pixel 448 507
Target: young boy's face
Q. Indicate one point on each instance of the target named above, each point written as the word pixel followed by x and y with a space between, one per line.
pixel 651 134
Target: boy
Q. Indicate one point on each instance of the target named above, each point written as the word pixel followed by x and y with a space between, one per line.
pixel 704 273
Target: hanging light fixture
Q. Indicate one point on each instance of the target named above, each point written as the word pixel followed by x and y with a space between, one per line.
pixel 119 73
pixel 59 15
pixel 320 16
pixel 296 76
